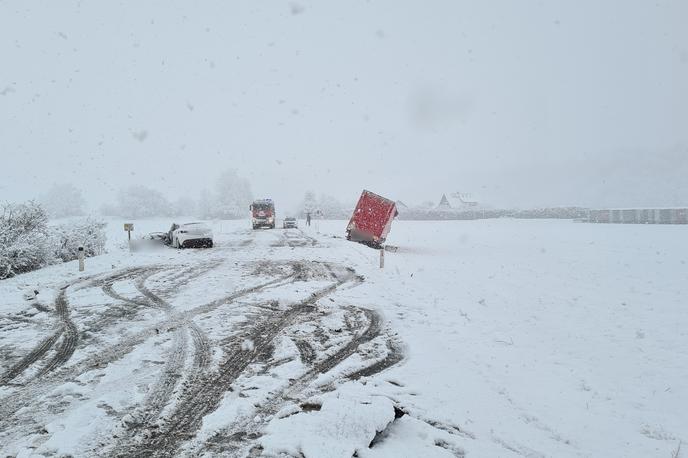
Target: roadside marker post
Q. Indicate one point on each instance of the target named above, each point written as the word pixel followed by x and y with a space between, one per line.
pixel 383 248
pixel 81 258
pixel 318 217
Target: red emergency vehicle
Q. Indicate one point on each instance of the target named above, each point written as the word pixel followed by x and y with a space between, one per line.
pixel 263 213
pixel 372 219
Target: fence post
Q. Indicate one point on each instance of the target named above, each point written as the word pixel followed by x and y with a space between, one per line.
pixel 382 257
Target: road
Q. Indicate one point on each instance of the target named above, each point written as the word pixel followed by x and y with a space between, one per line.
pixel 149 351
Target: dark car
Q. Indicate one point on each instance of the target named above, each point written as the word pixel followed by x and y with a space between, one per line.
pixel 149 242
pixel 157 237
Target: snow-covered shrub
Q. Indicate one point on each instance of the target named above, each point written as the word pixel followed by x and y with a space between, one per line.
pixel 28 243
pixel 25 244
pixel 67 238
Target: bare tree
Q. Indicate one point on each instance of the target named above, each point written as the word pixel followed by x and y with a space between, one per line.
pixel 63 200
pixel 142 202
pixel 309 203
pixel 232 196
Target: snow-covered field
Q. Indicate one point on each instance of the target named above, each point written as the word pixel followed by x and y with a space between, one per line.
pixel 479 338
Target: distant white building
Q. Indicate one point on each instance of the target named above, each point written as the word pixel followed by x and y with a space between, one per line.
pixel 457 201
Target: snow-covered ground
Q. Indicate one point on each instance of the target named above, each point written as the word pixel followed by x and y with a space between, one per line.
pixel 478 338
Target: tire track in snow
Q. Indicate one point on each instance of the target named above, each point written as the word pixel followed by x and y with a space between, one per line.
pixel 394 356
pixel 144 423
pixel 18 400
pixel 40 386
pixel 234 439
pixel 154 300
pixel 67 331
pixel 185 276
pixel 70 335
pixel 128 344
pixel 306 351
pixel 294 239
pixel 313 241
pixel 24 400
pixel 109 290
pixel 205 396
pixel 34 355
pixel 201 348
pixel 162 391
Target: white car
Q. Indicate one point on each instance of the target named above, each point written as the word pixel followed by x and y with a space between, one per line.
pixel 191 235
pixel 290 223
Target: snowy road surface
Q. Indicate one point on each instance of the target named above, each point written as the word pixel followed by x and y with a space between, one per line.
pixel 479 338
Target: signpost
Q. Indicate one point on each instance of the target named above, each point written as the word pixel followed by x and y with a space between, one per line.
pixel 129 227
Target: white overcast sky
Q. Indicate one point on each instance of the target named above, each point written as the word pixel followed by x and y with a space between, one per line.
pixel 520 103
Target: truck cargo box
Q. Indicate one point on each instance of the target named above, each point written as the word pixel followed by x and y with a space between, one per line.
pixel 372 219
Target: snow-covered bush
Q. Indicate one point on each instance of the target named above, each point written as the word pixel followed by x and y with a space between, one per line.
pixel 28 243
pixel 25 244
pixel 67 238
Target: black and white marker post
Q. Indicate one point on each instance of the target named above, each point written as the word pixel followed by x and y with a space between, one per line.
pixel 384 248
pixel 81 258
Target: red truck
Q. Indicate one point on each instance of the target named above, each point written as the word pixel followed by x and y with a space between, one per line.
pixel 263 213
pixel 372 220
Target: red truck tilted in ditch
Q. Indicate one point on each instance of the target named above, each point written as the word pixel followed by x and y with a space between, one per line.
pixel 372 220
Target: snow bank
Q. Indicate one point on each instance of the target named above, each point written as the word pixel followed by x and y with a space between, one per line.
pixel 345 424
